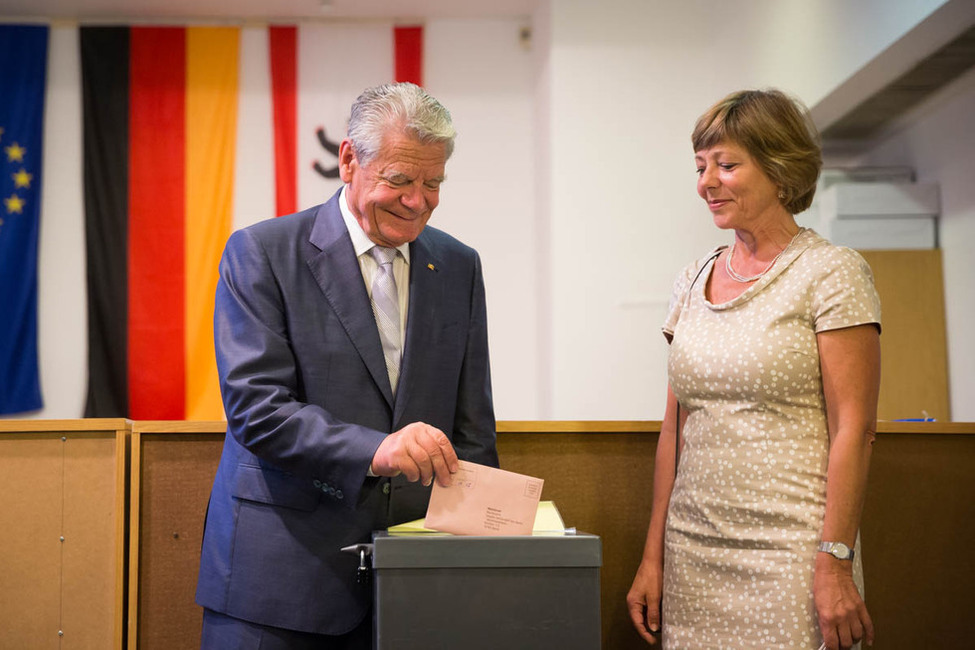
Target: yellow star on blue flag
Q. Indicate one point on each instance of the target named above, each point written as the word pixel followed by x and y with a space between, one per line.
pixel 22 178
pixel 15 153
pixel 14 204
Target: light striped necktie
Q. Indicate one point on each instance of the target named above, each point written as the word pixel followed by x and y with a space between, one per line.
pixel 385 306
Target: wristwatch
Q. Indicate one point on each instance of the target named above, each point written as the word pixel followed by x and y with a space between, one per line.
pixel 839 550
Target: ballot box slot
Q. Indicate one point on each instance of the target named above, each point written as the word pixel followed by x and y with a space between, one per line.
pixel 449 551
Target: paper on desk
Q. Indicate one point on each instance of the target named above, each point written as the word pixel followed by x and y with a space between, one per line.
pixel 483 500
pixel 548 519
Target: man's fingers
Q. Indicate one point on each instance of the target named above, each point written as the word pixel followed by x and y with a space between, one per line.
pixel 418 451
pixel 410 469
pixel 442 458
pixel 435 455
pixel 449 455
pixel 421 458
pixel 393 458
pixel 442 471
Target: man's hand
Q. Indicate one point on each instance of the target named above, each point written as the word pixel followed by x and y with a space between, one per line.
pixel 418 451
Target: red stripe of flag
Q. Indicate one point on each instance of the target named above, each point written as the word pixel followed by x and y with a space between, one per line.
pixel 284 87
pixel 156 216
pixel 409 54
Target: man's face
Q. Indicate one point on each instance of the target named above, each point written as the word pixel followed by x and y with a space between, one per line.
pixel 393 195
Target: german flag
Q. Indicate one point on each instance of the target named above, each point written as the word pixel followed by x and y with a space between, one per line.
pixel 161 141
pixel 160 120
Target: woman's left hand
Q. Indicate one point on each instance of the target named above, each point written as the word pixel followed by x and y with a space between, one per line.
pixel 843 616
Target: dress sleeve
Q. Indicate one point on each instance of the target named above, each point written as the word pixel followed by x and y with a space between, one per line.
pixel 845 295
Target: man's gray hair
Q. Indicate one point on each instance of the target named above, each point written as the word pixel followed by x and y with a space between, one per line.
pixel 400 106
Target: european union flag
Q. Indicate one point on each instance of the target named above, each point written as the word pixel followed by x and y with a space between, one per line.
pixel 23 67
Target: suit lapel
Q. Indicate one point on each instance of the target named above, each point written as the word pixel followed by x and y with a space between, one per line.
pixel 337 272
pixel 426 289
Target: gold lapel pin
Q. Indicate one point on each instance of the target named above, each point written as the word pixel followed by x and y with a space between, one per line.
pixel 431 267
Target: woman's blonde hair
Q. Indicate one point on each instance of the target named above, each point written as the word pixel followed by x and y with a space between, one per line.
pixel 777 131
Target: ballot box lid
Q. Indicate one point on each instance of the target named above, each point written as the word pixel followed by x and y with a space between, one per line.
pixel 421 551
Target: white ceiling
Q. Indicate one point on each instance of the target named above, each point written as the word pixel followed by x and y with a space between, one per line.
pixel 259 10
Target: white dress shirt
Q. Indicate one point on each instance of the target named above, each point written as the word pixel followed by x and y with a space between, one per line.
pixel 369 267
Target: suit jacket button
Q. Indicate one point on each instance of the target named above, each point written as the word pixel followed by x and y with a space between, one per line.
pixel 317 483
pixel 339 495
pixel 385 488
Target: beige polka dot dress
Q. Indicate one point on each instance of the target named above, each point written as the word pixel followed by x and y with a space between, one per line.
pixel 746 512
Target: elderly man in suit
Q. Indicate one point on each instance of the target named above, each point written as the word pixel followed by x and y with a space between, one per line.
pixel 352 349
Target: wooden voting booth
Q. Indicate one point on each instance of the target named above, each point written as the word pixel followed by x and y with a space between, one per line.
pixel 71 478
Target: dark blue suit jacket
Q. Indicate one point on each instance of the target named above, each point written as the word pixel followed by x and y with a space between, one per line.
pixel 308 402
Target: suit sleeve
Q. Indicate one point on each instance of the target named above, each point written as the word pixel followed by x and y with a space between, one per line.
pixel 260 381
pixel 474 424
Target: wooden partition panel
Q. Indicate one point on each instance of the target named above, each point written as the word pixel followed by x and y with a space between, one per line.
pixel 916 535
pixel 913 345
pixel 918 523
pixel 62 527
pixel 173 464
pixel 600 476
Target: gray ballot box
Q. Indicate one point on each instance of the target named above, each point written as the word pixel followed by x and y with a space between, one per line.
pixel 443 591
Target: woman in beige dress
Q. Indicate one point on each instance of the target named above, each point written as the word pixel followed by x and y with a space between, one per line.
pixel 774 373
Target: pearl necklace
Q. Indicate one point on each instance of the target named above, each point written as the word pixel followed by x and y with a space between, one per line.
pixel 734 275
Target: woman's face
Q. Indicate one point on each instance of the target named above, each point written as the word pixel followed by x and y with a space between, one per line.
pixel 738 193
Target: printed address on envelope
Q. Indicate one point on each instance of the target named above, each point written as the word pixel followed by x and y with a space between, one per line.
pixel 482 500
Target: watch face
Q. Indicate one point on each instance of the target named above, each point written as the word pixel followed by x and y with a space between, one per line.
pixel 839 550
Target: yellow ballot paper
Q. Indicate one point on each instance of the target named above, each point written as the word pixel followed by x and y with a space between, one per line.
pixel 548 521
pixel 482 500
